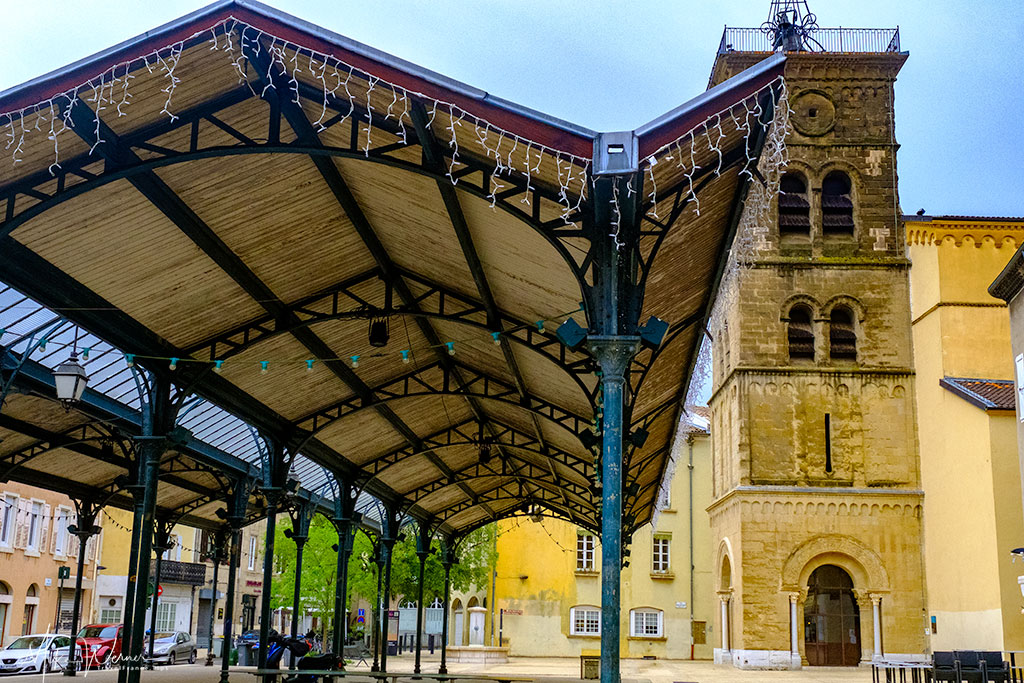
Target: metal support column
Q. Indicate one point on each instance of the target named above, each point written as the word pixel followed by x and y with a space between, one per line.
pixel 449 560
pixel 344 521
pixel 301 514
pixel 422 552
pixel 217 554
pixel 83 528
pixel 379 561
pixel 615 302
pixel 237 506
pixel 387 546
pixel 158 418
pixel 613 355
pixel 137 493
pixel 275 473
pixel 161 544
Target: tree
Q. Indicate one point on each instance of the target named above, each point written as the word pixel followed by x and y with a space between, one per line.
pixel 477 555
pixel 319 570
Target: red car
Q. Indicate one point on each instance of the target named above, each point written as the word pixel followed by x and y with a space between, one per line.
pixel 100 645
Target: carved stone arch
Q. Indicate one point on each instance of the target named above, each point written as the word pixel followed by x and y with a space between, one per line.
pixel 795 299
pixel 725 564
pixel 854 304
pixel 862 563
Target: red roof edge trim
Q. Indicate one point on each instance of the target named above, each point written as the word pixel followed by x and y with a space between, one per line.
pixel 51 85
pixel 664 129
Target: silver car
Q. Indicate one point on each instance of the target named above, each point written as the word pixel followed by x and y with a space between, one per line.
pixel 172 647
pixel 39 653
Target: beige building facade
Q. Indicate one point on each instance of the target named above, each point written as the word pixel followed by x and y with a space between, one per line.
pixel 967 429
pixel 817 500
pixel 34 545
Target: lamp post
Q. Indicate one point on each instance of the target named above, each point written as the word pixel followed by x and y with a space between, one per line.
pixel 71 380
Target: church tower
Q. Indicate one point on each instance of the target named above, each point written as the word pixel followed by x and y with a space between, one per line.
pixel 817 500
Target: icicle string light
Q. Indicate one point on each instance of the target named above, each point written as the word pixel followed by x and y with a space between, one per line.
pixel 111 90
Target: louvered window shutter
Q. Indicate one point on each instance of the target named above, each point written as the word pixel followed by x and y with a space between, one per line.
pixel 44 527
pixel 21 526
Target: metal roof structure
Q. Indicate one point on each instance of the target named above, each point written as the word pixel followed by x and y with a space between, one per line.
pixel 233 200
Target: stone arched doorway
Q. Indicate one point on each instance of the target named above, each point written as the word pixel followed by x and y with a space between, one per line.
pixel 831 619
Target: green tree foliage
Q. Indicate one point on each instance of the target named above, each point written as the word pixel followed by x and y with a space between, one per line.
pixel 476 553
pixel 319 570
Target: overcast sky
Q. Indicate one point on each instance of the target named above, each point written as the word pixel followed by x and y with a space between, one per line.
pixel 614 65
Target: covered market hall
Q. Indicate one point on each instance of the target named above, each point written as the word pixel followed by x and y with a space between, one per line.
pixel 249 267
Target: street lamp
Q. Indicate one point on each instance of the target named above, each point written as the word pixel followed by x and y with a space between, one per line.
pixel 71 380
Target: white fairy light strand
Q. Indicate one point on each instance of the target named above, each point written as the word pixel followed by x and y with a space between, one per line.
pixel 112 89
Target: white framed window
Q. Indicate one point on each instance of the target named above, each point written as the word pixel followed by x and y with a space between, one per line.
pixel 660 554
pixel 666 500
pixel 252 553
pixel 645 623
pixel 8 519
pixel 61 521
pixel 585 620
pixel 166 616
pixel 585 544
pixel 35 523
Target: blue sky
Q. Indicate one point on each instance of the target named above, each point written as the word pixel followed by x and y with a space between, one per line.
pixel 613 65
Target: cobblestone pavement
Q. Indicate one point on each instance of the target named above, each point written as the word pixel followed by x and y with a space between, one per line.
pixel 565 669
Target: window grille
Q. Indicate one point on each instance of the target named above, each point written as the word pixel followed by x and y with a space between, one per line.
pixel 585 544
pixel 112 615
pixel 585 621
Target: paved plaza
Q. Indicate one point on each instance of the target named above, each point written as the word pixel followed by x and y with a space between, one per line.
pixel 546 669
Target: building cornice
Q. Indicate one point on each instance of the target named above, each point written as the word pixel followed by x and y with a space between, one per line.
pixel 968 230
pixel 743 492
pixel 790 370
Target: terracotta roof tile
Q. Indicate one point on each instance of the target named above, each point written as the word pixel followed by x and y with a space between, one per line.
pixel 988 394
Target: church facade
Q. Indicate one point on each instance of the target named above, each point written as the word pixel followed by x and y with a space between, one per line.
pixel 817 498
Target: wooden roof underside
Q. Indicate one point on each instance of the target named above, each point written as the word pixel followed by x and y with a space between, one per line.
pixel 243 230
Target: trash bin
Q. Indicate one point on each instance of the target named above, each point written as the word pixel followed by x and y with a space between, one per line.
pixel 233 658
pixel 218 646
pixel 247 655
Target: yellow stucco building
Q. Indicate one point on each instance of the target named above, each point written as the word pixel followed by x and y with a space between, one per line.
pixel 548 583
pixel 967 430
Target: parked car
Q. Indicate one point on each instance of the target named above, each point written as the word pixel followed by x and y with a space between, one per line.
pixel 101 645
pixel 172 647
pixel 39 653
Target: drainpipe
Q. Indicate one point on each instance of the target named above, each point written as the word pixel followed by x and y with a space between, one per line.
pixel 689 466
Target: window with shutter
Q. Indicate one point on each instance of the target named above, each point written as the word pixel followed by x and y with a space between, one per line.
pixel 801 333
pixel 8 519
pixel 21 524
pixel 44 528
pixel 842 337
pixel 794 207
pixel 836 204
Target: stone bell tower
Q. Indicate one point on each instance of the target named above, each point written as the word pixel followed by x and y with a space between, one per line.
pixel 817 500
